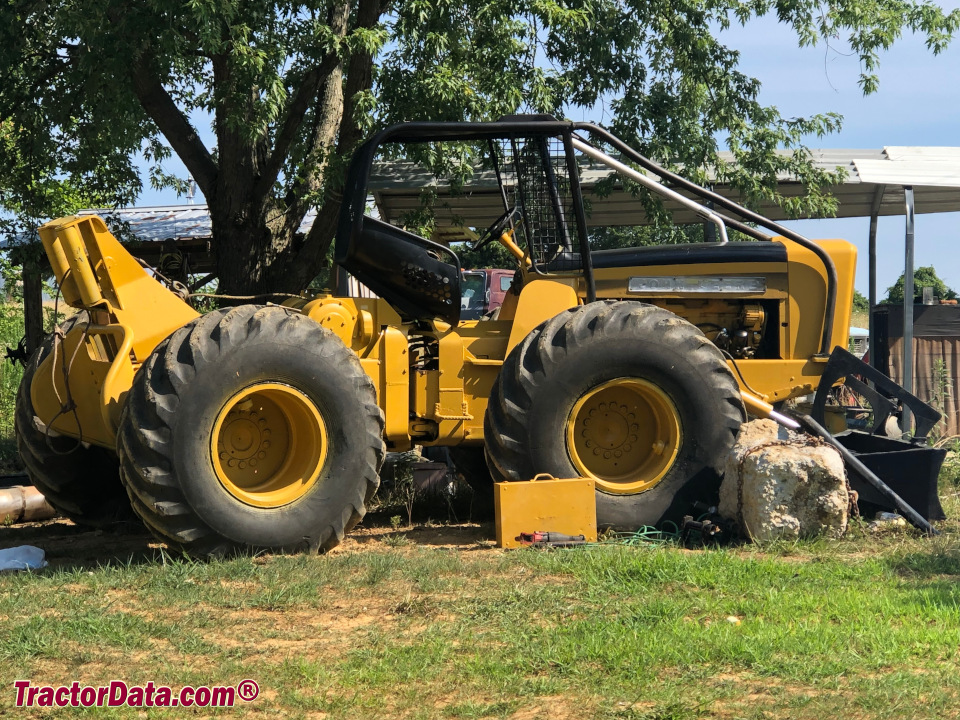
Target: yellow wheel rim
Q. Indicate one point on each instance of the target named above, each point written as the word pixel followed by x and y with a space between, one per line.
pixel 625 434
pixel 268 445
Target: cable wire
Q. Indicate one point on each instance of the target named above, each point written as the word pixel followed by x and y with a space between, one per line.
pixel 740 374
pixel 66 367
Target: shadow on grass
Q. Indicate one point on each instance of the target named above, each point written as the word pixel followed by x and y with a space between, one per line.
pixel 69 546
pixel 927 565
pixel 430 508
pixel 465 535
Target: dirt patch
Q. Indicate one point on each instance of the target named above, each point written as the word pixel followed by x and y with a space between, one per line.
pixel 776 696
pixel 304 635
pixel 68 545
pixel 554 707
pixel 462 536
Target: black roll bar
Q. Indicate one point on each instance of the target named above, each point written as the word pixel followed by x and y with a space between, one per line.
pixel 545 125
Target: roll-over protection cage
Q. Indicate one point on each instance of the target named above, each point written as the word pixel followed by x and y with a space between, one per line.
pixel 536 159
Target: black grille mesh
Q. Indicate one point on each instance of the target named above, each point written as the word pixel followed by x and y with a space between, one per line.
pixel 534 174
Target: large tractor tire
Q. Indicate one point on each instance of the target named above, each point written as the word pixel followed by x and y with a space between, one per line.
pixel 251 428
pixel 82 482
pixel 626 393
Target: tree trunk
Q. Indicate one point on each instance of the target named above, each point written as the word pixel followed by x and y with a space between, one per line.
pixel 241 251
pixel 258 258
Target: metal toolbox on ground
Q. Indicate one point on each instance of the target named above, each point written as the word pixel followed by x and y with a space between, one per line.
pixel 545 504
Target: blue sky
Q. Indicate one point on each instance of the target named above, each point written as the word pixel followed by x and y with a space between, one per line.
pixel 917 104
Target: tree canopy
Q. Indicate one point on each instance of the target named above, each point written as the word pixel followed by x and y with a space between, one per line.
pixel 861 303
pixel 290 88
pixel 922 277
pixel 37 183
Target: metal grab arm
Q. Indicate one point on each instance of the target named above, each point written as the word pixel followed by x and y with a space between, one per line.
pixel 843 364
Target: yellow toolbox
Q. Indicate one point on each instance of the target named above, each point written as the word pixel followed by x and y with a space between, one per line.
pixel 545 504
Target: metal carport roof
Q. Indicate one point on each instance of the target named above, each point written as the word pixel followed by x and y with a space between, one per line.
pixel 934 172
pixel 396 187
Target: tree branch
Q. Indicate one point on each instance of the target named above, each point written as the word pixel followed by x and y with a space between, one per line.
pixel 359 77
pixel 325 127
pixel 297 107
pixel 326 124
pixel 318 240
pixel 174 125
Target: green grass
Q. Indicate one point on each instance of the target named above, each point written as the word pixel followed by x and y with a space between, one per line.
pixel 866 626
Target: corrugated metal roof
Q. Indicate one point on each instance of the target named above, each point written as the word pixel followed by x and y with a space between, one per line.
pixel 915 166
pixel 933 153
pixel 160 223
pixel 172 221
pixel 397 188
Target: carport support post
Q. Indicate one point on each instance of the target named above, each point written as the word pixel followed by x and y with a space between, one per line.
pixel 709 229
pixel 874 214
pixel 908 305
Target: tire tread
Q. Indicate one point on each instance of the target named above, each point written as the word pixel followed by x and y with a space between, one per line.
pixel 528 370
pixel 149 417
pixel 83 484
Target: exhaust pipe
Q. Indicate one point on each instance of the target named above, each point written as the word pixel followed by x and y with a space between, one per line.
pixel 23 504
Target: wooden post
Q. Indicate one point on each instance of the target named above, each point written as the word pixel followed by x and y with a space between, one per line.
pixel 32 304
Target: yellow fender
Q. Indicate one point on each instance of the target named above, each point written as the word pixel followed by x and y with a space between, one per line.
pixel 539 301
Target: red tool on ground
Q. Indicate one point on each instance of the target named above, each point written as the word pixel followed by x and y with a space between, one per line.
pixel 551 539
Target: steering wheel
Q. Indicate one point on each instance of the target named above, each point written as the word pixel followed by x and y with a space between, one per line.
pixel 498 227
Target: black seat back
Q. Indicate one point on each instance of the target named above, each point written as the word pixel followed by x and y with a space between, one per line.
pixel 420 278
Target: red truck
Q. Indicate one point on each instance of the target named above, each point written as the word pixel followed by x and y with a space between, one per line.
pixel 482 291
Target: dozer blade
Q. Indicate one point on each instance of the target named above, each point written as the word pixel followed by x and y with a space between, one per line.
pixel 869 481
